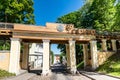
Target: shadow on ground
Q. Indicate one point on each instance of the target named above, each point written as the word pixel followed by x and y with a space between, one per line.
pixel 60 68
pixel 38 72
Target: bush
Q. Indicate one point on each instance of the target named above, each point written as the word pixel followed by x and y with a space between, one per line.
pixel 4 73
pixel 111 66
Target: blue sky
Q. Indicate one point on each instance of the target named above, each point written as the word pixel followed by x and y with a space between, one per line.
pixel 50 10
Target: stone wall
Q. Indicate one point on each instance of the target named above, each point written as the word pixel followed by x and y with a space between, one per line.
pixel 103 56
pixel 4 60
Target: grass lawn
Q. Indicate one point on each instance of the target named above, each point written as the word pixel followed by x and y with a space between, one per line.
pixel 80 65
pixel 4 73
pixel 111 66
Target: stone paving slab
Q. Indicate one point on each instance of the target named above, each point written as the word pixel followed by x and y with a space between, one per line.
pixel 24 76
pixel 97 76
pixel 60 76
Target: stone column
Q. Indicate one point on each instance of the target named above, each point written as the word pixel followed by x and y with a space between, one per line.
pixel 85 52
pixel 104 45
pixel 72 56
pixel 14 65
pixel 68 55
pixel 25 56
pixel 94 56
pixel 114 45
pixel 46 53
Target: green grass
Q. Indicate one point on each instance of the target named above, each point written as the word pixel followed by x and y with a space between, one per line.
pixel 80 65
pixel 111 66
pixel 4 74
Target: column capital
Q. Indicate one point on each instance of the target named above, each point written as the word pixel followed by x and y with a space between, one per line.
pixel 71 41
pixel 113 40
pixel 93 41
pixel 15 39
pixel 46 40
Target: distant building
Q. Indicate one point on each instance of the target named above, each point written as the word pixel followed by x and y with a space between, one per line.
pixel 56 58
pixel 36 55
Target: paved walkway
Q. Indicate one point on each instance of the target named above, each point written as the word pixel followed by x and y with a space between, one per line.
pixel 60 76
pixel 24 76
pixel 59 72
pixel 97 76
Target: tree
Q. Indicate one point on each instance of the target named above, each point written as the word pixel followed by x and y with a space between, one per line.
pixel 75 18
pixel 17 11
pixel 117 16
pixel 100 15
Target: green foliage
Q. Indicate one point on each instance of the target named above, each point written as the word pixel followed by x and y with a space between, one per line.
pixel 100 15
pixel 80 65
pixel 51 52
pixel 79 51
pixel 4 45
pixel 4 73
pixel 62 48
pixel 111 66
pixel 61 56
pixel 117 17
pixel 17 11
pixel 71 18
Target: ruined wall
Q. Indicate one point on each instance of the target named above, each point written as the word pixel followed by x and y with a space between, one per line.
pixel 103 56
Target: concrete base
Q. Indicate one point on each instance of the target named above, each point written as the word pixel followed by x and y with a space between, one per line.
pixel 73 71
pixel 46 73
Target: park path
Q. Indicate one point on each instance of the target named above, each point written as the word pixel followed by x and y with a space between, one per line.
pixel 97 76
pixel 24 76
pixel 60 76
pixel 59 72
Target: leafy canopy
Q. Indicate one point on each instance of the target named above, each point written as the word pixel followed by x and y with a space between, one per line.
pixel 17 11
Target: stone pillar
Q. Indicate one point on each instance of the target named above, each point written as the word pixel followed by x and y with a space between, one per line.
pixel 104 45
pixel 46 53
pixel 114 47
pixel 68 55
pixel 94 55
pixel 85 52
pixel 72 56
pixel 25 56
pixel 14 65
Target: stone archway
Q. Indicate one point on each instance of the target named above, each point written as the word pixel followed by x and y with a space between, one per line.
pixel 52 32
